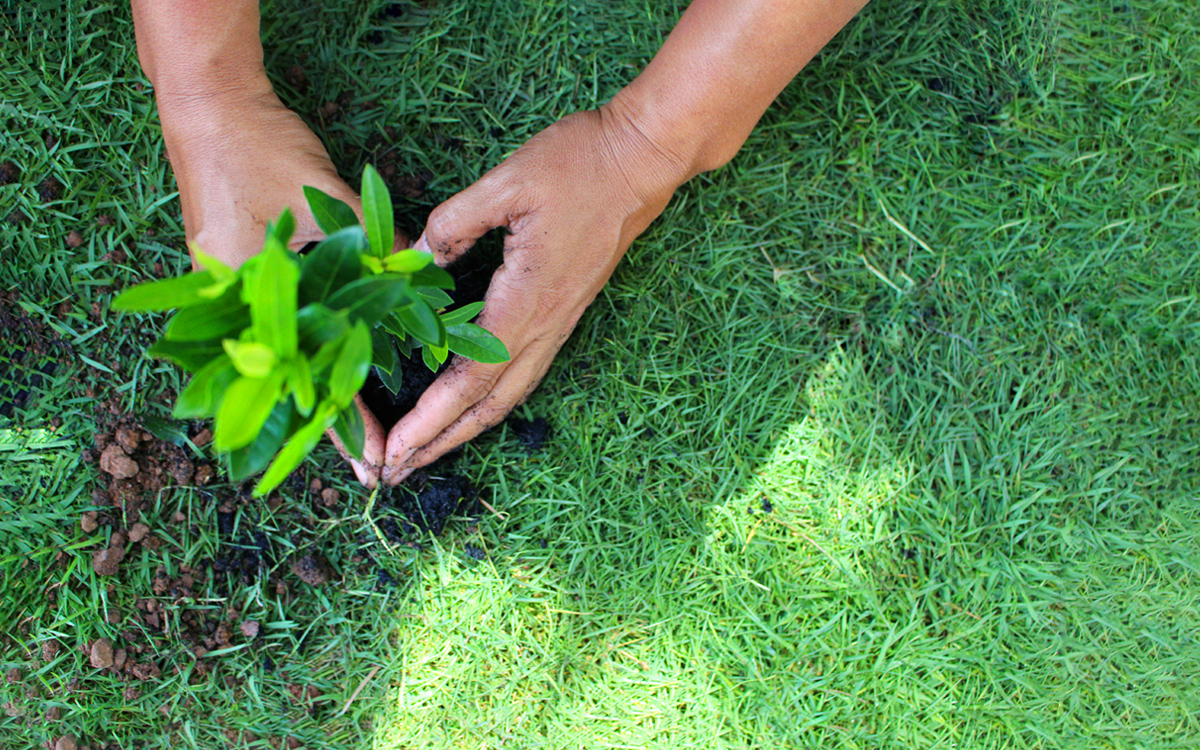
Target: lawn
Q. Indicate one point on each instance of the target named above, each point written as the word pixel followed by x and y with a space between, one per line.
pixel 883 436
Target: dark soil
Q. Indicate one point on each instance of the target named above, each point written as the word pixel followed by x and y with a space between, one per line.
pixel 471 275
pixel 31 353
pixel 531 433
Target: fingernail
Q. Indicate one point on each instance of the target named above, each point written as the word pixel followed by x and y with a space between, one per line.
pixel 421 244
pixel 365 478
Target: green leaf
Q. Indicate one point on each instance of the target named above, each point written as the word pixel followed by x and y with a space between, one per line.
pixel 168 294
pixel 461 315
pixel 332 264
pixel 422 322
pixel 317 324
pixel 202 396
pixel 273 306
pixel 253 458
pixel 433 275
pixel 370 299
pixel 407 261
pixel 436 298
pixel 350 428
pixel 167 430
pixel 477 343
pixel 327 355
pixel 392 380
pixel 351 367
pixel 252 359
pixel 300 381
pixel 300 445
pixel 331 214
pixel 247 404
pixel 430 359
pixel 190 355
pixel 281 229
pixel 377 213
pixel 219 270
pixel 212 319
pixel 383 354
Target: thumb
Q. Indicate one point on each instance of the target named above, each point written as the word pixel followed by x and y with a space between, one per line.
pixel 454 226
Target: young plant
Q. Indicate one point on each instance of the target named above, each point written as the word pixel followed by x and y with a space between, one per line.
pixel 280 346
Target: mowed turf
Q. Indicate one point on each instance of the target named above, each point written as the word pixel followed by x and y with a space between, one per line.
pixel 885 435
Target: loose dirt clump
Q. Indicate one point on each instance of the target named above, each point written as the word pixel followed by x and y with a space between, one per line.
pixel 115 460
pixel 101 654
pixel 9 173
pixel 313 570
pixel 531 433
pixel 107 562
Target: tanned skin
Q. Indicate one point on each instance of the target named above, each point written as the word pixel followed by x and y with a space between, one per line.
pixel 573 198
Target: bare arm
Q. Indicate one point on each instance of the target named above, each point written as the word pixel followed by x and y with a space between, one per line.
pixel 721 67
pixel 239 155
pixel 578 193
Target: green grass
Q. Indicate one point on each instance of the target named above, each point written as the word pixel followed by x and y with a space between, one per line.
pixel 941 313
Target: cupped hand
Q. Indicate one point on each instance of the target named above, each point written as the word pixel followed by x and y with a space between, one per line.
pixel 239 162
pixel 573 199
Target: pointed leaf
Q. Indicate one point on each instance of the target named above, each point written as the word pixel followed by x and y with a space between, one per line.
pixel 219 270
pixel 462 315
pixel 332 264
pixel 432 275
pixel 212 319
pixel 253 458
pixel 370 299
pixel 429 359
pixel 202 396
pixel 377 213
pixel 477 343
pixel 168 294
pixel 383 354
pixel 300 445
pixel 350 428
pixel 317 324
pixel 351 367
pixel 300 381
pixel 273 305
pixel 436 298
pixel 331 214
pixel 407 261
pixel 247 404
pixel 281 229
pixel 392 380
pixel 190 355
pixel 422 322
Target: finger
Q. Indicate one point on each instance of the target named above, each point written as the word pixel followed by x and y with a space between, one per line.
pixel 454 226
pixel 514 388
pixel 368 468
pixel 459 388
pixel 446 420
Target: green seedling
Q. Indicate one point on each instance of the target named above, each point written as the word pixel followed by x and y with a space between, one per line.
pixel 279 347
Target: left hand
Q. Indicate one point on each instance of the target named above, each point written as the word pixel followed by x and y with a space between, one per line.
pixel 573 197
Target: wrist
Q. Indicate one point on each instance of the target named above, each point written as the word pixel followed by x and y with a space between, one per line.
pixel 193 109
pixel 690 137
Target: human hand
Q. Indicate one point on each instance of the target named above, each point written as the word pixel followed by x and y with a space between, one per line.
pixel 573 198
pixel 239 161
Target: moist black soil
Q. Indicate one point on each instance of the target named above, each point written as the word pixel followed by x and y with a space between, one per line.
pixel 471 277
pixel 30 353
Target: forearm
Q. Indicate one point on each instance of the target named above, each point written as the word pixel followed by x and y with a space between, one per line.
pixel 719 70
pixel 198 53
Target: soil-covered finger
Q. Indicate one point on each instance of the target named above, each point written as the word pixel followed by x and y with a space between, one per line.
pixel 517 382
